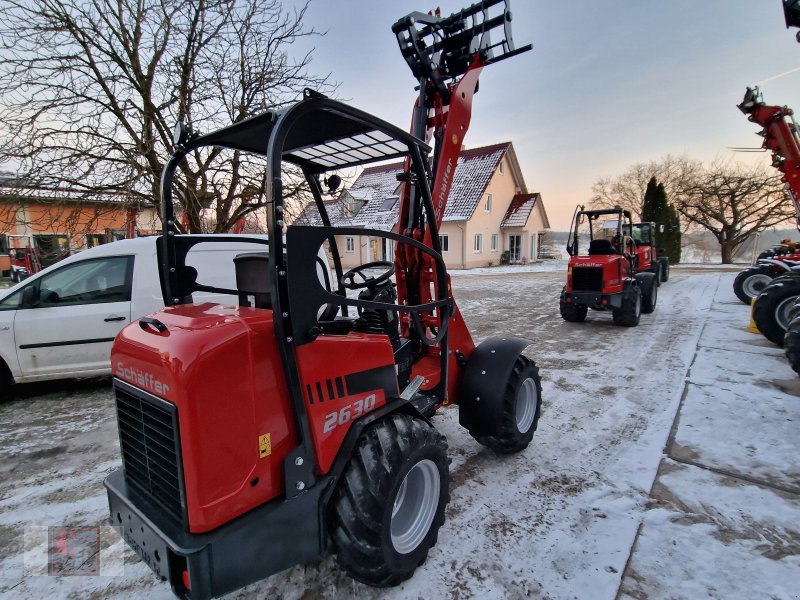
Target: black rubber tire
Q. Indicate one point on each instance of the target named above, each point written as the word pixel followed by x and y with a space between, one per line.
pixel 655 269
pixel 664 268
pixel 629 313
pixel 511 438
pixel 771 305
pixel 791 340
pixel 574 313
pixel 360 512
pixel 744 288
pixel 649 287
pixel 5 383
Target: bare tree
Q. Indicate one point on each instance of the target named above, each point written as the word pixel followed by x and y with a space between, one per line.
pixel 90 91
pixel 627 190
pixel 733 201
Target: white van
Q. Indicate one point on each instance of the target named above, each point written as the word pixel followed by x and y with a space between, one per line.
pixel 60 322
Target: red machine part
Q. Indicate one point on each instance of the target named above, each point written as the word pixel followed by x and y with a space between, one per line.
pixel 780 134
pixel 220 367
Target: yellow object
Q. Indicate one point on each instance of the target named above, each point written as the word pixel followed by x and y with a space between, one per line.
pixel 752 327
pixel 264 445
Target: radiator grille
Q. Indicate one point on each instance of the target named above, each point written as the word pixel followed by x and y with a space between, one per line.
pixel 148 435
pixel 587 279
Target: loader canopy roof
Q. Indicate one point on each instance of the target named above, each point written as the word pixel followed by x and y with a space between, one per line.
pixel 317 133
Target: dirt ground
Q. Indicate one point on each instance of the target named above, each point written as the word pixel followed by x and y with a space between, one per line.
pixel 555 521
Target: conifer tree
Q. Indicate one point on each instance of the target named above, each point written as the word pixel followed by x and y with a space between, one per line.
pixel 656 208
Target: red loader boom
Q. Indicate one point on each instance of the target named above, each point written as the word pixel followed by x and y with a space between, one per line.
pixel 780 134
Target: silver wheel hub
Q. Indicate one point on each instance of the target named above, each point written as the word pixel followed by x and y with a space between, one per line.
pixel 753 285
pixel 525 405
pixel 415 506
pixel 783 312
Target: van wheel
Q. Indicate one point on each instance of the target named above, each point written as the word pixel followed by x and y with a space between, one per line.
pixel 5 382
pixel 390 502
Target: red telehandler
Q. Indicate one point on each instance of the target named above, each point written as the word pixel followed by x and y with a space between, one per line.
pixel 774 309
pixel 259 436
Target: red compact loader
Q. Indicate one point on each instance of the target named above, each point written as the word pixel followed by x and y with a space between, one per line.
pixel 259 436
pixel 604 276
pixel 647 255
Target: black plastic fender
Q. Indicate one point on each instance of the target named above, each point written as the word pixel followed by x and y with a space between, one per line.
pixel 483 383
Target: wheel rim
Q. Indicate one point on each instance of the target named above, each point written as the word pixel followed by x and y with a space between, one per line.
pixel 753 285
pixel 782 312
pixel 415 506
pixel 525 405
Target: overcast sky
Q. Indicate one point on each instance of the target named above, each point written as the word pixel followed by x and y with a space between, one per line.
pixel 607 84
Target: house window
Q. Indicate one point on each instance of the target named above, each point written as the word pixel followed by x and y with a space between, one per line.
pixel 494 242
pixel 444 242
pixel 501 167
pixel 389 203
pixel 478 242
pixel 94 239
pixel 488 206
pixel 349 244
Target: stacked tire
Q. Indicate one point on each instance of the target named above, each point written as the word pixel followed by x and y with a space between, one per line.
pixel 774 307
pixel 791 341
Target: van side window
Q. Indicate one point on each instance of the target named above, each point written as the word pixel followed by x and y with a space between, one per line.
pixel 11 302
pixel 89 282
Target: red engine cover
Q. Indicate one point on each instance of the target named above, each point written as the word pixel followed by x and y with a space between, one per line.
pixel 220 366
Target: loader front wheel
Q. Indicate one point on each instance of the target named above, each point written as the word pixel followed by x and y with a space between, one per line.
pixel 522 404
pixel 386 512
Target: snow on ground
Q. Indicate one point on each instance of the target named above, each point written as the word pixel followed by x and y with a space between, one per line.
pixel 558 520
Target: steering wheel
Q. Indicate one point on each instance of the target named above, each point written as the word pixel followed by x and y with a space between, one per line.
pixel 348 280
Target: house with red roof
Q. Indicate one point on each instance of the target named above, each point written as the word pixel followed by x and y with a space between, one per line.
pixel 490 218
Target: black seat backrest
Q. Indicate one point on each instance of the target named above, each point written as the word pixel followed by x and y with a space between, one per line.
pixel 187 277
pixel 601 246
pixel 252 279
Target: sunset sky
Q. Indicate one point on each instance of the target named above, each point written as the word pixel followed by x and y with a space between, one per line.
pixel 607 84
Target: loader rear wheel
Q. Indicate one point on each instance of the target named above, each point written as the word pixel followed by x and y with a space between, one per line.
pixel 629 313
pixel 749 283
pixel 773 306
pixel 648 283
pixel 791 341
pixel 386 512
pixel 664 268
pixel 522 404
pixel 574 313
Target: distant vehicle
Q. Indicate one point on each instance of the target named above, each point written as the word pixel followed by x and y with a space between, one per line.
pixel 60 322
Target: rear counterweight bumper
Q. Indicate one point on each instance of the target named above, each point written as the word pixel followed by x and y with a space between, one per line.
pixel 268 539
pixel 594 300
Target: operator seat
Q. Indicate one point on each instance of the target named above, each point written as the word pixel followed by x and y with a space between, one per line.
pixel 601 246
pixel 187 277
pixel 252 279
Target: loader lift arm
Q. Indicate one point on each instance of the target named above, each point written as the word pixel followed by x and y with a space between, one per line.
pixel 446 55
pixel 781 137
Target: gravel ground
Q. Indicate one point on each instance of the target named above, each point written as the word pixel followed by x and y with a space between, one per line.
pixel 558 520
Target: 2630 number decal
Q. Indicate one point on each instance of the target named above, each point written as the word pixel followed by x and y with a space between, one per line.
pixel 346 413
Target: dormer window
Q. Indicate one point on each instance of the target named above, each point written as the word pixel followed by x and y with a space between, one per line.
pixel 389 203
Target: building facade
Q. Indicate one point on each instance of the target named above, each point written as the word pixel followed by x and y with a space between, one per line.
pixel 58 222
pixel 490 217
